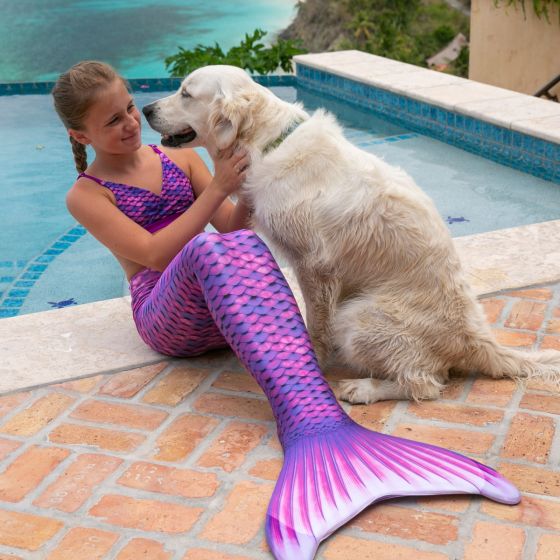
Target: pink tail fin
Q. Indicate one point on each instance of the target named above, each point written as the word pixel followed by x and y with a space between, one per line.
pixel 327 479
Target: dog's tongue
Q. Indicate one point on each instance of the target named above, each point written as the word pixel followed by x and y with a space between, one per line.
pixel 176 140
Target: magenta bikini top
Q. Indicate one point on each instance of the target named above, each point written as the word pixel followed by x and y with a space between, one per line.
pixel 153 211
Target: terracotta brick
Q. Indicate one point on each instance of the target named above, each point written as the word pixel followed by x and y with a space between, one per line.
pixel 169 480
pixel 550 342
pixel 454 504
pixel 28 470
pixel 181 438
pixel 490 540
pixel 493 309
pixel 202 554
pixel 548 547
pixel 544 403
pixel 239 381
pixel 540 385
pixel 26 531
pixel 113 440
pixel 131 416
pixel 75 485
pixel 341 547
pixel 532 511
pixel 146 515
pixel 496 392
pixel 241 407
pixel 514 338
pixel 35 417
pixel 529 437
pixel 527 315
pixel 543 294
pixel 7 446
pixel 553 326
pixel 464 441
pixel 269 469
pixel 9 402
pixel 373 416
pixel 84 385
pixel 405 523
pixel 144 549
pixel 126 384
pixel 83 543
pixel 242 516
pixel 230 448
pixel 461 414
pixel 536 480
pixel 175 386
pixel 454 388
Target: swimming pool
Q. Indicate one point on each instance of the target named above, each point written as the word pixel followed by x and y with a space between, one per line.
pixel 48 261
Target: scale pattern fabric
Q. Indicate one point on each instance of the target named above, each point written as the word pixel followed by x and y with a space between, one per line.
pixel 228 288
pixel 144 206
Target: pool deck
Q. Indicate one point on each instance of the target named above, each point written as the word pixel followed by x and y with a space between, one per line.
pixel 111 451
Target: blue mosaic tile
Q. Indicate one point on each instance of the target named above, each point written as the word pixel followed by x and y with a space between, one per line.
pixel 24 284
pixel 18 293
pixel 5 313
pixel 7 279
pixel 70 238
pixel 12 302
pixel 31 276
pixel 44 258
pixel 6 264
pixel 38 267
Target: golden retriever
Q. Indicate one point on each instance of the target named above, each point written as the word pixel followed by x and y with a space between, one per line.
pixel 382 283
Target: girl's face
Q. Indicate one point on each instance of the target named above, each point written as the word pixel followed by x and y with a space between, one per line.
pixel 112 123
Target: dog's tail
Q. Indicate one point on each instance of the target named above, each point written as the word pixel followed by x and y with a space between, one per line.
pixel 329 477
pixel 488 357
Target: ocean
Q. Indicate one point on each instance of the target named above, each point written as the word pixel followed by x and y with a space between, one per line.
pixel 39 39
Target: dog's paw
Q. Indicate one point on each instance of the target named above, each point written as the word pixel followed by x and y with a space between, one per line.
pixel 356 391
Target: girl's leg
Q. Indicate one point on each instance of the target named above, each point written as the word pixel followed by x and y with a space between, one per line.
pixel 333 468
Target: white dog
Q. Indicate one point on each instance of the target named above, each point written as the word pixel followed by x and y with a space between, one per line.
pixel 382 283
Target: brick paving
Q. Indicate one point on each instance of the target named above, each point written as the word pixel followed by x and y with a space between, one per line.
pixel 177 461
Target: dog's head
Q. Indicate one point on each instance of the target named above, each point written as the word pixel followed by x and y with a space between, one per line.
pixel 211 108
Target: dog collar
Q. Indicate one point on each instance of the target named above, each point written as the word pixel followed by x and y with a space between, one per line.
pixel 275 143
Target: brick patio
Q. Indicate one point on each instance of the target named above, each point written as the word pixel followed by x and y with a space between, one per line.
pixel 177 461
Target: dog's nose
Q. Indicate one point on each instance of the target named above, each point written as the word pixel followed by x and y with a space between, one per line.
pixel 148 110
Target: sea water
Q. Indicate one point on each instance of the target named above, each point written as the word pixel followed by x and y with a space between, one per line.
pixel 39 39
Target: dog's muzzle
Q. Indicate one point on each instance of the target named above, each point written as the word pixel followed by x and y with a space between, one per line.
pixel 176 140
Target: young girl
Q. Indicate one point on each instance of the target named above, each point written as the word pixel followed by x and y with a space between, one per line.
pixel 193 290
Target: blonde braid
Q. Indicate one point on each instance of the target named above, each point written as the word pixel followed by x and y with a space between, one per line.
pixel 80 155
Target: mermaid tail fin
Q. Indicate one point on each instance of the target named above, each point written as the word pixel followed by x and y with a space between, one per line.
pixel 328 478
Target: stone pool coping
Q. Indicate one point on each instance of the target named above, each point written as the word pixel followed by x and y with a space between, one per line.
pixel 74 342
pixel 41 348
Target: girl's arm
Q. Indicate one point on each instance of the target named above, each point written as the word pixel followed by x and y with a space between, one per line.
pixel 230 216
pixel 93 208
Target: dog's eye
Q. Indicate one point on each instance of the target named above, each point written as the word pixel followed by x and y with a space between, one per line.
pixel 185 93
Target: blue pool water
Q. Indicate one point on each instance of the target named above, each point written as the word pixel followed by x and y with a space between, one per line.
pixel 47 261
pixel 39 39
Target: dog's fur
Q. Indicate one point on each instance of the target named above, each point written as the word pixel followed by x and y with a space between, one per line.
pixel 382 283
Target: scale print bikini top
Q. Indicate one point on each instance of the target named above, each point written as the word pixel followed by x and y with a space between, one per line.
pixel 150 210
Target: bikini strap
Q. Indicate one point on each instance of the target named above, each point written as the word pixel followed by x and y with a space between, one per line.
pixel 96 179
pixel 156 149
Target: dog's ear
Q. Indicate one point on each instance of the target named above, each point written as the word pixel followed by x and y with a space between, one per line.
pixel 227 116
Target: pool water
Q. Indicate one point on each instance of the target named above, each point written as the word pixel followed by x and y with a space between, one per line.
pixel 47 261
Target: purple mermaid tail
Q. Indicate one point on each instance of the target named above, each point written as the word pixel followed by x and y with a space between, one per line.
pixel 333 468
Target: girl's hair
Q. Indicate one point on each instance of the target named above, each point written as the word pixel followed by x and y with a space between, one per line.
pixel 74 93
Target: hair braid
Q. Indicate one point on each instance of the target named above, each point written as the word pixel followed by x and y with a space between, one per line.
pixel 80 155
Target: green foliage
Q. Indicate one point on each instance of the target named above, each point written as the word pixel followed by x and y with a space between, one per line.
pixel 251 54
pixel 409 31
pixel 540 7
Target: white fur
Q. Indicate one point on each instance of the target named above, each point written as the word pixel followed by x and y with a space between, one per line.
pixel 382 283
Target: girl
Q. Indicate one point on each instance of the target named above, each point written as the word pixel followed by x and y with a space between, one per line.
pixel 193 291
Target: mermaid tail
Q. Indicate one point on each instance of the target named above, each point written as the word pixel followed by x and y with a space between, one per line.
pixel 329 478
pixel 333 468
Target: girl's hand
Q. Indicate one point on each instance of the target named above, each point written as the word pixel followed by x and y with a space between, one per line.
pixel 230 171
